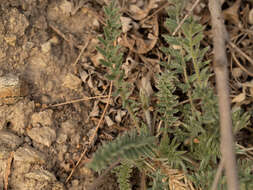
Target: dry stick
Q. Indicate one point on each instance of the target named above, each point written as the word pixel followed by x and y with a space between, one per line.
pixel 77 100
pixel 218 175
pixel 240 65
pixel 186 16
pixel 81 52
pixel 220 36
pixel 61 34
pixel 241 52
pixel 8 170
pixel 93 135
pixel 143 181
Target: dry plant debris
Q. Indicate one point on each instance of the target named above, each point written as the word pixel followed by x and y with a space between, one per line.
pixel 52 114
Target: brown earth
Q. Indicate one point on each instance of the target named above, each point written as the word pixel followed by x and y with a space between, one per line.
pixel 39 43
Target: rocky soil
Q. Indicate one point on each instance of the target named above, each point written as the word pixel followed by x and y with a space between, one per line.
pixel 40 40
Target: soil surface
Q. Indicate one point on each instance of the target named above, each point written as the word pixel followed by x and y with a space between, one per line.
pixel 40 40
pixel 49 67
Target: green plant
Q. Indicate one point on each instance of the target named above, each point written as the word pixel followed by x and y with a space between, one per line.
pixel 123 173
pixel 186 104
pixel 113 57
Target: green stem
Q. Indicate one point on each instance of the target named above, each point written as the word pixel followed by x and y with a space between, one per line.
pixel 195 64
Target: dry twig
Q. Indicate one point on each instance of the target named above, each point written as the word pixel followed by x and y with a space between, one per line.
pixel 241 52
pixel 93 135
pixel 218 175
pixel 8 170
pixel 77 100
pixel 240 65
pixel 220 37
pixel 70 41
pixel 81 52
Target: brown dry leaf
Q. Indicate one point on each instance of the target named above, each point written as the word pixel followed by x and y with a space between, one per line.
pixel 128 66
pixel 146 85
pixel 83 74
pixel 109 121
pixel 231 13
pixel 249 85
pixel 96 59
pixel 239 98
pixel 137 42
pixel 120 115
pixel 126 23
pixel 141 8
pixel 95 110
pixel 251 91
pixel 237 72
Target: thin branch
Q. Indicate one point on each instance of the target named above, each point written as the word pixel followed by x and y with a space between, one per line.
pixel 241 52
pixel 220 37
pixel 8 170
pixel 81 52
pixel 75 101
pixel 218 175
pixel 240 65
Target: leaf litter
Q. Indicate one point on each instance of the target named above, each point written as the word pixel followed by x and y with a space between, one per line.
pixel 141 41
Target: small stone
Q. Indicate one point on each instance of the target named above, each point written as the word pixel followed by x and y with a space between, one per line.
pixel 17 22
pixel 41 175
pixel 19 115
pixel 30 155
pixel 75 183
pixel 62 138
pixel 43 118
pixel 12 86
pixel 4 153
pixel 10 39
pixel 68 127
pixel 72 82
pixel 58 186
pixel 42 135
pixel 9 139
pixel 46 47
pixel 66 7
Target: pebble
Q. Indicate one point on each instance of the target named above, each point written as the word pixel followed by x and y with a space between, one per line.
pixel 62 138
pixel 41 175
pixel 11 87
pixel 9 139
pixel 30 155
pixel 42 135
pixel 43 118
pixel 68 127
pixel 72 82
pixel 4 154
